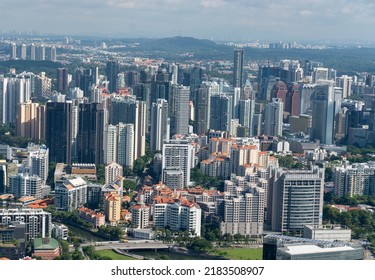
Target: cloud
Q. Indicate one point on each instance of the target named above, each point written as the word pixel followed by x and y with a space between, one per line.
pixel 200 18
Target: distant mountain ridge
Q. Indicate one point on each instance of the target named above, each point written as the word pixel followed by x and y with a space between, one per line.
pixel 179 43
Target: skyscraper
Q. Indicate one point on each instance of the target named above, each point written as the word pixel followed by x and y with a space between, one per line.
pixel 220 112
pixel 59 131
pixel 179 154
pixel 323 113
pixel 246 114
pixel 179 109
pixel 90 133
pixel 297 199
pixel 128 110
pixel 238 68
pixel 111 71
pixel 202 109
pixel 62 80
pixel 273 121
pixel 160 124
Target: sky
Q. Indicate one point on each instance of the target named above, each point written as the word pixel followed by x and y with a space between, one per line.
pixel 235 20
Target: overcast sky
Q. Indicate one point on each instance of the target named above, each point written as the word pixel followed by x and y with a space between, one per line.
pixel 211 19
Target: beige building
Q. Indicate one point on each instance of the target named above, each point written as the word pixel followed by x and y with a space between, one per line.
pixel 31 120
pixel 112 208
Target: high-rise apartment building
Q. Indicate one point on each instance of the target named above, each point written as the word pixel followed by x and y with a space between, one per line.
pixel 119 144
pixel 273 119
pixel 160 124
pixel 71 194
pixel 179 109
pixel 355 179
pixel 112 172
pixel 128 110
pixel 179 154
pixel 38 222
pixel 24 185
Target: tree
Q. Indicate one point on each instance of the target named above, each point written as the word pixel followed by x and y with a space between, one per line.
pixel 200 246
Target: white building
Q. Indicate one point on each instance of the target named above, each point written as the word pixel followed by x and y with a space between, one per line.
pixel 38 222
pixel 177 215
pixel 179 154
pixel 38 162
pixel 71 194
pixel 273 119
pixel 24 185
pixel 112 172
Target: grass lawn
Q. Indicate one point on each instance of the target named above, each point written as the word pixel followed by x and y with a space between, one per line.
pixel 243 253
pixel 113 255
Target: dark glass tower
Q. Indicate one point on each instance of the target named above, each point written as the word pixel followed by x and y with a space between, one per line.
pixel 111 71
pixel 238 68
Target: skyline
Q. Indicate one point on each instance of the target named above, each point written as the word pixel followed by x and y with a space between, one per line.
pixel 235 20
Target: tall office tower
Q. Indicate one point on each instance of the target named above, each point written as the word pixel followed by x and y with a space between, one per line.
pixel 196 79
pixel 345 82
pixel 236 94
pixel 319 73
pixel 306 93
pixel 173 70
pixel 323 113
pixel 3 179
pixel 220 112
pixel 112 172
pixel 62 80
pixel 86 81
pixel 159 125
pixel 13 51
pixel 43 86
pixel 90 133
pixel 179 154
pixel 23 52
pixel 32 51
pixel 179 109
pixel 297 199
pixel 246 114
pixel 238 61
pixel 273 119
pixel 38 163
pixel 24 185
pixel 94 71
pixel 202 109
pixel 53 54
pixel 355 179
pixel 132 78
pixel 59 131
pixel 111 71
pixel 128 110
pixel 160 89
pixel 120 81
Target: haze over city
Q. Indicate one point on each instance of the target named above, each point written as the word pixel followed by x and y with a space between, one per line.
pixel 213 19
